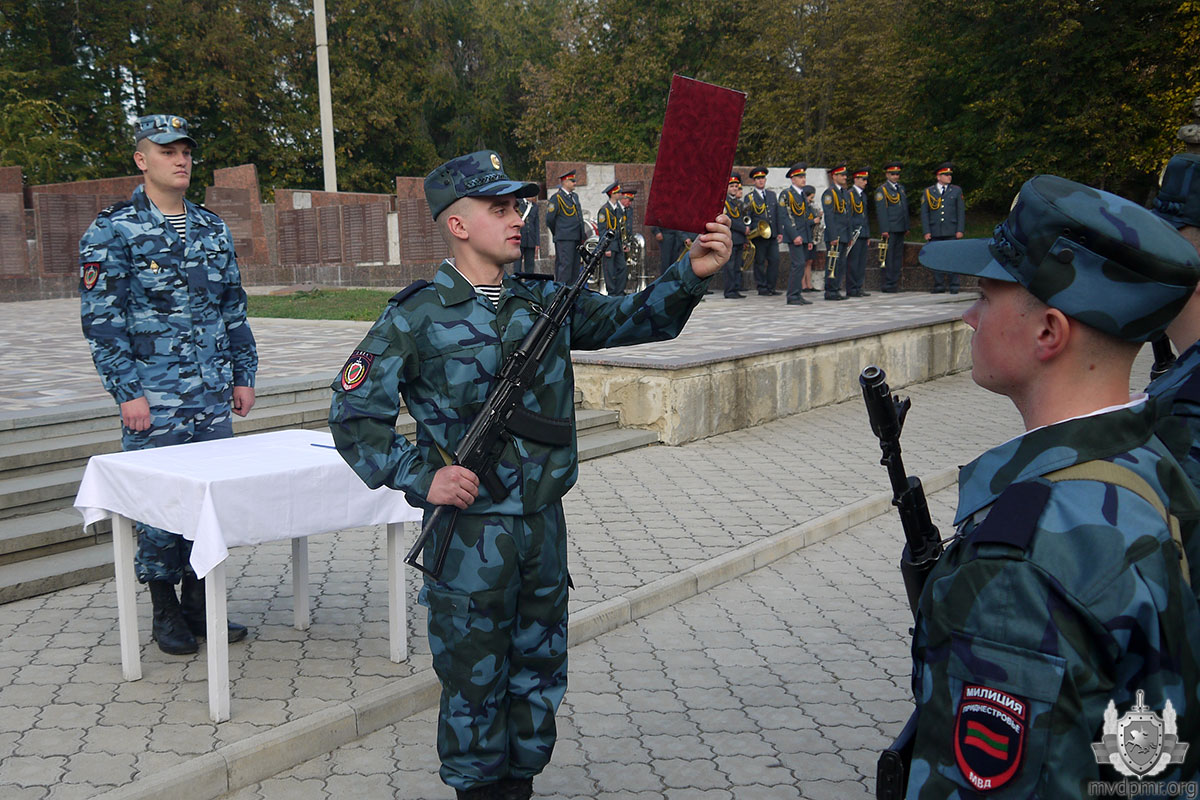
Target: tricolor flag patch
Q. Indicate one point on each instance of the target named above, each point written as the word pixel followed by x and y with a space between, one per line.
pixel 989 736
pixel 358 366
pixel 90 272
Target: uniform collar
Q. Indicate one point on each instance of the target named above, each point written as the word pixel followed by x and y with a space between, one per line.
pixel 517 288
pixel 452 287
pixel 1053 447
pixel 141 202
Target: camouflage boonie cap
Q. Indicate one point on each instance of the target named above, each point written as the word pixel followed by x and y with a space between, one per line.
pixel 162 129
pixel 1099 258
pixel 1178 200
pixel 479 174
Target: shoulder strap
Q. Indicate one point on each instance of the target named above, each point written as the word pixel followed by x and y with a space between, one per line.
pixel 414 287
pixel 1190 390
pixel 1116 475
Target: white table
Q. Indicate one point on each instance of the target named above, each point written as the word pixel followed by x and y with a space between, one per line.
pixel 241 491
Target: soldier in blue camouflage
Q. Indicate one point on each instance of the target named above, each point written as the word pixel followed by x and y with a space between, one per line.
pixel 164 314
pixel 1065 586
pixel 498 613
pixel 1177 392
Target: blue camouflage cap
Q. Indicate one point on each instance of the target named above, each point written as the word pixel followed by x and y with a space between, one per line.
pixel 1178 200
pixel 479 174
pixel 1099 258
pixel 162 129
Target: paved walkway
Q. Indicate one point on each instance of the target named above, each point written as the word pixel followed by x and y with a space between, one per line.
pixel 74 729
pixel 45 363
pixel 785 683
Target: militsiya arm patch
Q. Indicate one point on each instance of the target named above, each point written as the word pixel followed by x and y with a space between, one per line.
pixel 358 366
pixel 989 736
pixel 90 272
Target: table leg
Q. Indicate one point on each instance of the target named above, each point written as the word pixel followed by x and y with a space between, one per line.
pixel 218 644
pixel 300 603
pixel 397 605
pixel 123 544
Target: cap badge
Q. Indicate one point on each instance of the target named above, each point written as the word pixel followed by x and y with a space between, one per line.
pixel 495 161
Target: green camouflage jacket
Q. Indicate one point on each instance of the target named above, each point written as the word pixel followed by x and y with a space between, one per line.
pixel 438 348
pixel 1055 599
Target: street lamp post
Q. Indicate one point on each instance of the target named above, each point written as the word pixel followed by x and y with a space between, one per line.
pixel 323 97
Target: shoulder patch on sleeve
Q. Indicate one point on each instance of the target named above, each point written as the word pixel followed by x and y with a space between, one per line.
pixel 827 199
pixel 414 287
pixel 90 273
pixel 1013 517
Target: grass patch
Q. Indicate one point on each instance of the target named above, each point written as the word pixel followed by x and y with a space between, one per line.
pixel 364 305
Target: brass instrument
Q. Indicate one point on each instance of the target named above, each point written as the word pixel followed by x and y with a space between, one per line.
pixel 883 246
pixel 635 262
pixel 747 256
pixel 760 231
pixel 831 259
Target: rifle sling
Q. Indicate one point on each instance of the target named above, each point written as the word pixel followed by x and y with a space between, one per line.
pixel 539 428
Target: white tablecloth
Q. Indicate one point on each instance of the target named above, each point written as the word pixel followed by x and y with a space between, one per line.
pixel 239 491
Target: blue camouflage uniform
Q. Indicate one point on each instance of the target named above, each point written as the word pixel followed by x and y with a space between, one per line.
pixel 165 317
pixel 498 613
pixel 1063 592
pixel 1177 392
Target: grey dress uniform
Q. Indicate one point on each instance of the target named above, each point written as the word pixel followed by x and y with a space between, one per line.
pixel 943 216
pixel 564 218
pixel 764 207
pixel 731 273
pixel 837 229
pixel 795 220
pixel 616 275
pixel 670 248
pixel 530 236
pixel 860 220
pixel 891 211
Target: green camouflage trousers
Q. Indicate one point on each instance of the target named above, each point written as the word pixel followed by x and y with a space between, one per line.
pixel 498 634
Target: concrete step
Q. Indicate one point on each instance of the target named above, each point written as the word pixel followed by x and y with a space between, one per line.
pixel 40 491
pixel 615 440
pixel 53 572
pixel 36 535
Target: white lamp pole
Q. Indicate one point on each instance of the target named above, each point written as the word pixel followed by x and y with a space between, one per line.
pixel 323 96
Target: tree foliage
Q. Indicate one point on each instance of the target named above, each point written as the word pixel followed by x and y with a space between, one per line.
pixel 1090 89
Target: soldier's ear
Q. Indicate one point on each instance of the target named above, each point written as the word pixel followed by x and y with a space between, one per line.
pixel 139 159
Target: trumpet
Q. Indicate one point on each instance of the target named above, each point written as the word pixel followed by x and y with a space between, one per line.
pixel 883 246
pixel 748 256
pixel 831 259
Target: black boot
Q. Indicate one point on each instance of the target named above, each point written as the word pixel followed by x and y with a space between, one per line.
pixel 169 629
pixel 485 791
pixel 191 598
pixel 515 789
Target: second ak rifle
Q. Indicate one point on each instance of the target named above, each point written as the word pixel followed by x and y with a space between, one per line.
pixel 922 549
pixel 503 416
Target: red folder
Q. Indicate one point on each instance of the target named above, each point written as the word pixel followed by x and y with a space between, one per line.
pixel 695 155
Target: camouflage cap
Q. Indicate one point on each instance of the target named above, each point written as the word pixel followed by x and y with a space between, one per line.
pixel 162 129
pixel 1094 256
pixel 479 174
pixel 1178 200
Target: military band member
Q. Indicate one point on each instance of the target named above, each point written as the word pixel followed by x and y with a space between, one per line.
pixel 836 208
pixel 764 207
pixel 795 225
pixel 564 220
pixel 611 217
pixel 891 209
pixel 814 219
pixel 860 223
pixel 498 611
pixel 943 216
pixel 738 227
pixel 670 245
pixel 530 236
pixel 1063 600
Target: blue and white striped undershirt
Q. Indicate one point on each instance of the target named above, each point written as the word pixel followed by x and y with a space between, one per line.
pixel 178 222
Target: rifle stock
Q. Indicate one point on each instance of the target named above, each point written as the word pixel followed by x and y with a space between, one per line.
pixel 490 431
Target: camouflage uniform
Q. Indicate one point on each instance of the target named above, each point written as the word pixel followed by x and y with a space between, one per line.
pixel 1177 392
pixel 498 614
pixel 166 318
pixel 1061 593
